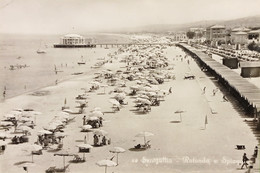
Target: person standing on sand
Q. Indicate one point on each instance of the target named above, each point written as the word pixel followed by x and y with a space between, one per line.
pixel 4 93
pixel 225 98
pixel 255 152
pixel 170 90
pixel 84 120
pixel 204 90
pixel 245 159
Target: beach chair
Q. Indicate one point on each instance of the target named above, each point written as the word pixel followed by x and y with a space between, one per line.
pixel 241 147
pixel 77 159
pixel 146 145
pixel 53 169
pixel 39 152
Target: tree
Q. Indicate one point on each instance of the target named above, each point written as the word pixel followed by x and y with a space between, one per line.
pixel 190 34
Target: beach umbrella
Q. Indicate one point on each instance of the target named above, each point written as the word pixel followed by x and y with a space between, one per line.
pixel 63 114
pixel 143 101
pixel 120 96
pixel 100 132
pixel 114 102
pixel 96 109
pixel 134 87
pixel 4 135
pixel 84 146
pixel 36 113
pixel 24 128
pixel 87 127
pixel 143 96
pixel 64 154
pixel 81 102
pixel 106 163
pixel 60 134
pixel 8 116
pixel 117 150
pixel 144 135
pixel 104 86
pixel 57 122
pixel 16 112
pixel 6 123
pixel 25 119
pixel 97 114
pixel 43 132
pixel 68 111
pixel 179 112
pixel 25 165
pixel 31 148
pixel 93 118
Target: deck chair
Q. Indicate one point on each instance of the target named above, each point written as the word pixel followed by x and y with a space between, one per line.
pixel 62 169
pixel 146 145
pixel 78 159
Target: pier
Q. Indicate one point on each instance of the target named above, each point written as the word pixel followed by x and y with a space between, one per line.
pixel 109 45
pixel 245 92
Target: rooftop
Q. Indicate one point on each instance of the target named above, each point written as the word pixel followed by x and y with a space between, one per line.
pixel 243 29
pixel 73 35
pixel 240 33
pixel 249 64
pixel 217 27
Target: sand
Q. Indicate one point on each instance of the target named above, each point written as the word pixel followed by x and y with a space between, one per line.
pixel 185 146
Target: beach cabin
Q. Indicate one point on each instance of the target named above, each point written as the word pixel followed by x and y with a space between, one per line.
pixel 230 62
pixel 250 69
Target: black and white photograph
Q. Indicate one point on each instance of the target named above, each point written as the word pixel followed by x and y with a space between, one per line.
pixel 129 86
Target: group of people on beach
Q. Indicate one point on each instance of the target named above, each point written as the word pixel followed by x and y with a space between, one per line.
pixel 100 140
pixel 245 159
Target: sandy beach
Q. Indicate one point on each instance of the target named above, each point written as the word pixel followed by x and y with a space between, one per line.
pixel 179 144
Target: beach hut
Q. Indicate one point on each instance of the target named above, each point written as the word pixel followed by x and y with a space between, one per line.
pixel 250 69
pixel 230 62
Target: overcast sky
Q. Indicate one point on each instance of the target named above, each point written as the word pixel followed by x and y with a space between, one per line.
pixel 67 16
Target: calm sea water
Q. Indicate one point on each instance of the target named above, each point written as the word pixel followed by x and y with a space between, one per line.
pixel 21 50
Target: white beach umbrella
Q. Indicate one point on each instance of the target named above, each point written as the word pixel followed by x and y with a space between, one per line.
pixel 97 114
pixel 106 163
pixel 179 112
pixel 144 135
pixel 100 132
pixel 93 118
pixel 6 123
pixel 96 109
pixel 114 102
pixel 60 134
pixel 31 148
pixel 43 132
pixel 16 113
pixel 84 146
pixel 63 153
pixel 8 116
pixel 4 135
pixel 117 150
pixel 25 165
pixel 86 127
pixel 120 96
pixel 24 128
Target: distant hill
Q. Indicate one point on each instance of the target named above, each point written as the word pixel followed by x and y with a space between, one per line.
pixel 252 21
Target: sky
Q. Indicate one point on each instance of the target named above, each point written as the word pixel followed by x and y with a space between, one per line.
pixel 72 16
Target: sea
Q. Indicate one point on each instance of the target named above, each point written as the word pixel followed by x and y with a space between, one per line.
pixel 38 70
